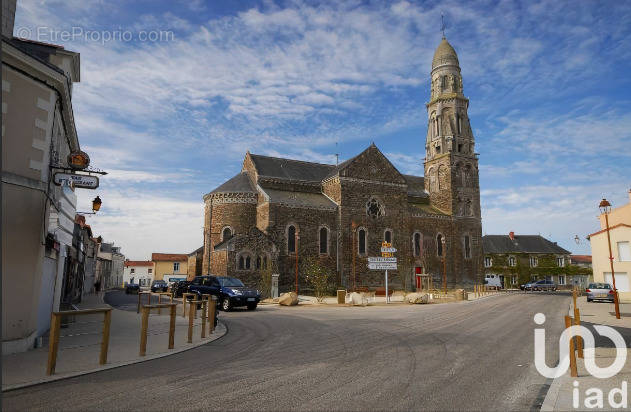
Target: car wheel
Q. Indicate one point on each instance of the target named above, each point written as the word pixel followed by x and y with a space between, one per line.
pixel 252 306
pixel 589 300
pixel 226 305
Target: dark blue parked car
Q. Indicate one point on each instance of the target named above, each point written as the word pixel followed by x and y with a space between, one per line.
pixel 230 292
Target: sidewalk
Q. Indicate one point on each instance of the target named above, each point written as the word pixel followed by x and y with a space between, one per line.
pixel 560 394
pixel 80 344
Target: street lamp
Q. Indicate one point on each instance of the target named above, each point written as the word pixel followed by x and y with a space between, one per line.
pixel 444 242
pixel 96 206
pixel 605 208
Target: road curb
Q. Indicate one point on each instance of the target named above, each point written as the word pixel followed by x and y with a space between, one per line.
pixel 54 378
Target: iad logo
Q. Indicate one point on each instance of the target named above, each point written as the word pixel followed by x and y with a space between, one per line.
pixel 594 396
pixel 589 350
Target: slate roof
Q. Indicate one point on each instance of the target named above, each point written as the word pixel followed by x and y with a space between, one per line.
pixel 304 199
pixel 521 244
pixel 237 184
pixel 416 185
pixel 290 169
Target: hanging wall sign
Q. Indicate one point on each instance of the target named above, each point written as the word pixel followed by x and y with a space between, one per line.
pixel 82 181
pixel 78 160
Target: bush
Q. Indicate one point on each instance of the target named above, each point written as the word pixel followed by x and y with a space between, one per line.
pixel 317 276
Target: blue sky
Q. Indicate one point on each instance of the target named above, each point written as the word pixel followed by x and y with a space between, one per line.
pixel 171 119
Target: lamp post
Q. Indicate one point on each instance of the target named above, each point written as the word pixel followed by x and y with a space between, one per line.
pixel 444 242
pixel 354 250
pixel 296 245
pixel 605 208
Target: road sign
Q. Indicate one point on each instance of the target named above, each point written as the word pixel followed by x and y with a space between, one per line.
pixel 388 250
pixel 382 266
pixel 382 260
pixel 83 181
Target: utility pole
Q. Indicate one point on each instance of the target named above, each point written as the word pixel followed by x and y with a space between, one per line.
pixel 605 207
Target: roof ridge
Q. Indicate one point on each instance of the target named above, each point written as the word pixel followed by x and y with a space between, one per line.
pixel 293 160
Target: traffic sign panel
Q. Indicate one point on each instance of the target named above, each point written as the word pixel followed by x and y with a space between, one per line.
pixel 382 266
pixel 382 259
pixel 388 249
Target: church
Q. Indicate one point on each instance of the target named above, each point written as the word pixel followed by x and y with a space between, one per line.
pixel 277 212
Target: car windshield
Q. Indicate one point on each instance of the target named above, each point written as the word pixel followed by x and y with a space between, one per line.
pixel 228 282
pixel 599 286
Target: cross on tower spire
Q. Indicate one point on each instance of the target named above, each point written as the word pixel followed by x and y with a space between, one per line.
pixel 442 26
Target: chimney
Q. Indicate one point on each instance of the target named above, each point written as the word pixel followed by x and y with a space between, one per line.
pixel 8 17
pixel 511 235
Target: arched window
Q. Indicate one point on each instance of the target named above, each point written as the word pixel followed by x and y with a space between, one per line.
pixel 467 247
pixel 361 238
pixel 226 234
pixel 258 262
pixel 387 236
pixel 247 263
pixel 324 240
pixel 439 245
pixel 418 244
pixel 467 208
pixel 241 263
pixel 291 239
pixel 512 261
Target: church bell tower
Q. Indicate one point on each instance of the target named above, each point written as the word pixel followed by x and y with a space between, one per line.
pixel 451 164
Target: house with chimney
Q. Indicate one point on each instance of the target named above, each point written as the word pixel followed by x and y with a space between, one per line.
pixel 518 259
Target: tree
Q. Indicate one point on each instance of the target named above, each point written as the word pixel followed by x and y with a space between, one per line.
pixel 317 276
pixel 265 282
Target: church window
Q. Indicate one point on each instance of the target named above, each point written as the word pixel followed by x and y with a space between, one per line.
pixel 324 240
pixel 226 234
pixel 418 244
pixel 459 147
pixel 439 244
pixel 241 263
pixel 291 239
pixel 437 149
pixel 258 262
pixel 264 262
pixel 387 236
pixel 361 239
pixel 374 209
pixel 247 262
pixel 467 208
pixel 467 247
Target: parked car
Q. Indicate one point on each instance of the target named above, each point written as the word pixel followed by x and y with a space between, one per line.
pixel 179 287
pixel 541 285
pixel 159 286
pixel 599 291
pixel 132 288
pixel 230 292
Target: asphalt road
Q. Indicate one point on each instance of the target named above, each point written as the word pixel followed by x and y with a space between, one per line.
pixel 462 356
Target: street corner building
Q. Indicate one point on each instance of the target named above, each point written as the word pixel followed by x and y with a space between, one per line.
pixel 277 213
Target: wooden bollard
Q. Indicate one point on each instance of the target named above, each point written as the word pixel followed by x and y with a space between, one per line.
pixel 106 337
pixel 143 331
pixel 573 369
pixel 212 307
pixel 172 326
pixel 191 308
pixel 579 340
pixel 53 344
pixel 204 318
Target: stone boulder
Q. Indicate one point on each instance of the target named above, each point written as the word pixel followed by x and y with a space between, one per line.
pixel 417 298
pixel 288 299
pixel 357 299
